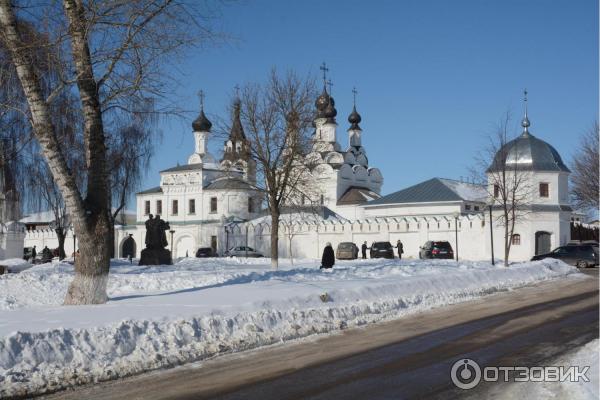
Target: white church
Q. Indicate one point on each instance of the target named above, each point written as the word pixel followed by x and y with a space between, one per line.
pixel 214 203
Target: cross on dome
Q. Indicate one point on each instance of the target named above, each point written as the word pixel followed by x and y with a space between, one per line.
pixel 525 122
pixel 201 97
pixel 324 68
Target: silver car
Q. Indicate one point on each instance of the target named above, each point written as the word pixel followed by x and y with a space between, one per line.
pixel 243 251
pixel 346 251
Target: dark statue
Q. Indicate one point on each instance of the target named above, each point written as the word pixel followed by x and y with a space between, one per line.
pixel 156 241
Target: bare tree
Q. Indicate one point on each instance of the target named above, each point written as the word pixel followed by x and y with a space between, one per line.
pixel 130 149
pixel 508 184
pixel 584 179
pixel 277 118
pixel 110 52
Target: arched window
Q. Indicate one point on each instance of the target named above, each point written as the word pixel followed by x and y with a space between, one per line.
pixel 516 239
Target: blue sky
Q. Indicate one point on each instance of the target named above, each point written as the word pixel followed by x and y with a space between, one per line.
pixel 433 77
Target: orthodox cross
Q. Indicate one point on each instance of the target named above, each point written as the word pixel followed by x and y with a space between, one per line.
pixel 330 84
pixel 324 68
pixel 354 92
pixel 201 97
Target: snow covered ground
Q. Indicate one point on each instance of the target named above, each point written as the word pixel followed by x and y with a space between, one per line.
pixel 15 264
pixel 585 356
pixel 167 315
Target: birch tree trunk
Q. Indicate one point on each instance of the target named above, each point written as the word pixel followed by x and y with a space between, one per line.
pixel 89 217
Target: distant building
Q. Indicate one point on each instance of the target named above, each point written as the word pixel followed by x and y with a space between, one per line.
pixel 211 203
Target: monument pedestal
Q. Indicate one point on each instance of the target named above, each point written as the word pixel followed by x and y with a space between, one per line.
pixel 155 257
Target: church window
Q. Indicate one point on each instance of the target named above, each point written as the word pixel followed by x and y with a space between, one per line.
pixel 516 239
pixel 476 208
pixel 496 191
pixel 213 204
pixel 322 199
pixel 159 207
pixel 175 207
pixel 192 206
pixel 468 207
pixel 147 207
pixel 544 192
pixel 250 205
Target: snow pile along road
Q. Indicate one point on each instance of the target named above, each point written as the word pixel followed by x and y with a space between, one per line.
pixel 586 356
pixel 168 315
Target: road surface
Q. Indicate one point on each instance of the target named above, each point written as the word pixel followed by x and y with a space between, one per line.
pixel 403 359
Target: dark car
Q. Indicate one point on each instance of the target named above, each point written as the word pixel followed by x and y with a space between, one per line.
pixel 579 255
pixel 382 250
pixel 27 253
pixel 437 250
pixel 346 251
pixel 205 252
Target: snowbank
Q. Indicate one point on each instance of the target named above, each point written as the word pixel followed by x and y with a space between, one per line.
pixel 585 356
pixel 16 264
pixel 168 315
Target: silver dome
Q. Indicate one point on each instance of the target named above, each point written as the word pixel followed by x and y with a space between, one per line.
pixel 528 153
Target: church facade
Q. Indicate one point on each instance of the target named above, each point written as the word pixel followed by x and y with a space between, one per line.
pixel 215 203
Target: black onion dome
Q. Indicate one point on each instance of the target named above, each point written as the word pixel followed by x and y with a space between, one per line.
pixel 201 124
pixel 323 100
pixel 330 112
pixel 354 119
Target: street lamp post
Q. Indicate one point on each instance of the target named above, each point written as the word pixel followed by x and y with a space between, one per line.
pixel 171 232
pixel 456 215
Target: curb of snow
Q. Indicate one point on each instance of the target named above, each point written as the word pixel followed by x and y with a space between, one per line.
pixel 41 362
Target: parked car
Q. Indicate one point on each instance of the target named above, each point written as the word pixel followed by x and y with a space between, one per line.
pixel 204 252
pixel 382 250
pixel 346 251
pixel 436 250
pixel 579 255
pixel 243 251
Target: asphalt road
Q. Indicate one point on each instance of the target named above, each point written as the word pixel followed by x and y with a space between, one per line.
pixel 403 359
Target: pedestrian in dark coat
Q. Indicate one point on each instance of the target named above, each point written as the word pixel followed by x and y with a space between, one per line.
pixel 400 247
pixel 328 258
pixel 33 255
pixel 364 250
pixel 46 254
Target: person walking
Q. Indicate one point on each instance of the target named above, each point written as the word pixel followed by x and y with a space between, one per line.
pixel 364 250
pixel 46 255
pixel 328 259
pixel 400 247
pixel 33 255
